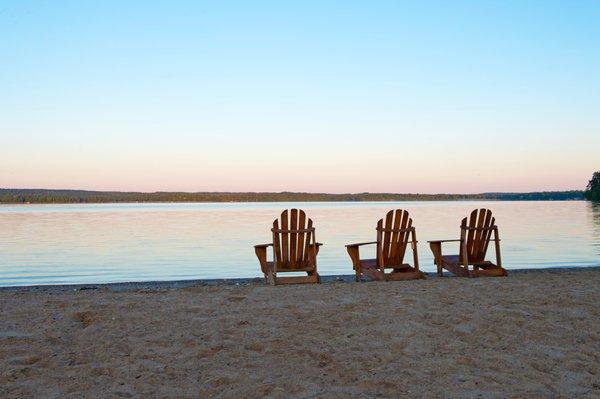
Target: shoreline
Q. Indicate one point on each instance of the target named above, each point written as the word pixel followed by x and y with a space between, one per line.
pixel 165 285
pixel 294 201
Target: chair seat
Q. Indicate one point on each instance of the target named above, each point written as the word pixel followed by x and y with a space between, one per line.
pixel 372 264
pixel 270 265
pixel 455 260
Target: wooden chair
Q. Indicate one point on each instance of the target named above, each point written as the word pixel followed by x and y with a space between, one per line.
pixel 393 236
pixel 475 235
pixel 294 250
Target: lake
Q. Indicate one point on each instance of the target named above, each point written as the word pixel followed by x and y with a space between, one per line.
pixel 99 243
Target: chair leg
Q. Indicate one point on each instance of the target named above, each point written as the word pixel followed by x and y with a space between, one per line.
pixel 271 277
pixel 436 249
pixel 355 257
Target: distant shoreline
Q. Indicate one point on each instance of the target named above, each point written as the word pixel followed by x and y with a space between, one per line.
pixel 161 285
pixel 45 196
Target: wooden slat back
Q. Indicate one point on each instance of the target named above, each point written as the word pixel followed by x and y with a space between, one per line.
pixel 477 230
pixel 293 234
pixel 393 234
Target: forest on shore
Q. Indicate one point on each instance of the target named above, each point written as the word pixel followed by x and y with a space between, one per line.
pixel 41 196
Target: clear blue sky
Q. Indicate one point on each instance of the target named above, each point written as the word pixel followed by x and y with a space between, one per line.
pixel 336 96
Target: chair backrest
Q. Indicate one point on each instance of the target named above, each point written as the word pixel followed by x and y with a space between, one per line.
pixel 477 230
pixel 393 234
pixel 293 240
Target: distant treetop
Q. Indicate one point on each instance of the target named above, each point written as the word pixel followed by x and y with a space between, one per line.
pixel 593 188
pixel 33 196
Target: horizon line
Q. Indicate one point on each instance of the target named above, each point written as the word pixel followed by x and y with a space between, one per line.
pixel 289 192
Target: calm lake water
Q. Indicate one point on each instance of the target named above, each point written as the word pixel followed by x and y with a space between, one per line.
pixel 57 244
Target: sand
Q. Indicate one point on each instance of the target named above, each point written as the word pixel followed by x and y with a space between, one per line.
pixel 534 334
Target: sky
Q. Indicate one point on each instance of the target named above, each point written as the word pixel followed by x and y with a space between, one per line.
pixel 315 96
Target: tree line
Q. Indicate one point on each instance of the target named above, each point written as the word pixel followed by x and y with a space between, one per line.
pixel 40 196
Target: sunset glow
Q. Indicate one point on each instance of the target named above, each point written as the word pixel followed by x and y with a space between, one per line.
pixel 444 97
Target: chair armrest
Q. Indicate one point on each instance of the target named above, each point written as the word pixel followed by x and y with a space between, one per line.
pixel 315 250
pixel 261 254
pixel 441 241
pixel 361 243
pixel 263 245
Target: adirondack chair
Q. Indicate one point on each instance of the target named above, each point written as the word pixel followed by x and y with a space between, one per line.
pixel 475 235
pixel 393 236
pixel 294 250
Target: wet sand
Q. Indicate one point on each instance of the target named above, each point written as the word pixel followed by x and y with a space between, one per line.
pixel 534 334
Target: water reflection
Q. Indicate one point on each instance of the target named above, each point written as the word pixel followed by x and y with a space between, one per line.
pixel 42 244
pixel 595 212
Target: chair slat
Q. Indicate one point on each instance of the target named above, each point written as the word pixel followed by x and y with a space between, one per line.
pixel 471 233
pixel 276 245
pixel 488 235
pixel 284 240
pixel 477 237
pixel 387 237
pixel 293 238
pixel 307 238
pixel 300 247
pixel 395 235
pixel 404 236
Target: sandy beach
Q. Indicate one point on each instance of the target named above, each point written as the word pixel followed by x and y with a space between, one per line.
pixel 533 334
